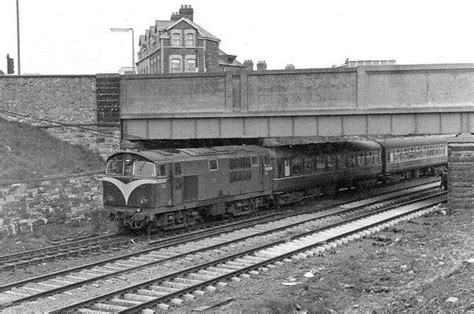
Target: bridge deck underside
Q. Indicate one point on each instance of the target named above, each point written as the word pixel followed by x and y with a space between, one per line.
pixel 297 126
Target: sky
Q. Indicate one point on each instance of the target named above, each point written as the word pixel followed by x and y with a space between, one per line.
pixel 74 37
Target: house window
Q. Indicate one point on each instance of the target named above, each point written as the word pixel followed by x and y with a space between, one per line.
pixel 175 39
pixel 190 65
pixel 189 40
pixel 175 65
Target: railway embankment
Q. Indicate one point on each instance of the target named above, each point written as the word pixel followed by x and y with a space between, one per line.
pixel 44 180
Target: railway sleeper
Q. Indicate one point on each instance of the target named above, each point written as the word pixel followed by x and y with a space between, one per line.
pixel 109 307
pixel 173 284
pixel 138 297
pixel 163 289
pixel 151 293
pixel 124 302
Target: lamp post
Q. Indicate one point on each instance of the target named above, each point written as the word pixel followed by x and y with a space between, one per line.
pixel 18 34
pixel 114 29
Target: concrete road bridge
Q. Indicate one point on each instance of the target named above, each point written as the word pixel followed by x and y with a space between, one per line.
pixel 334 102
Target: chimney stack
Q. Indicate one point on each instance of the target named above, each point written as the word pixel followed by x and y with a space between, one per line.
pixel 186 11
pixel 174 16
pixel 261 66
pixel 248 65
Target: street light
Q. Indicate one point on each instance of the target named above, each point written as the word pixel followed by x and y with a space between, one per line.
pixel 114 29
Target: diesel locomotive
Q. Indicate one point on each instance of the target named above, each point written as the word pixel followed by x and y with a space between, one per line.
pixel 175 188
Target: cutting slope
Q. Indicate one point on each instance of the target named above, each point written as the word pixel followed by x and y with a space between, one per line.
pixel 27 152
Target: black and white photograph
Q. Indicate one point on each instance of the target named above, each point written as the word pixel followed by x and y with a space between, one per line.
pixel 192 156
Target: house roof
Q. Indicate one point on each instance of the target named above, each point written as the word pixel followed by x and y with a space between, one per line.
pixel 161 25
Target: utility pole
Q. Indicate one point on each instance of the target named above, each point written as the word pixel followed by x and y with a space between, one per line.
pixel 18 34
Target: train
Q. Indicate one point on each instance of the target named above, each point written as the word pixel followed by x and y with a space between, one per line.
pixel 163 189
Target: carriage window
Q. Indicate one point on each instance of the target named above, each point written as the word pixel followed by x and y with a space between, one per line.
pixel 376 158
pixel 280 168
pixel 114 167
pixel 297 166
pixel 143 168
pixel 331 162
pixel 308 165
pixel 254 161
pixel 341 162
pixel 177 169
pixel 370 159
pixel 287 167
pixel 213 166
pixel 321 163
pixel 360 159
pixel 350 161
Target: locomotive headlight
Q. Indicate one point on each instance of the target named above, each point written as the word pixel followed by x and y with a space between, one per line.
pixel 138 210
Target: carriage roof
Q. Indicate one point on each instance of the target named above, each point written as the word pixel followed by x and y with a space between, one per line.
pixel 413 141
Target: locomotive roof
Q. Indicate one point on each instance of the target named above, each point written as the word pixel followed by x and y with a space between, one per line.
pixel 194 153
pixel 410 141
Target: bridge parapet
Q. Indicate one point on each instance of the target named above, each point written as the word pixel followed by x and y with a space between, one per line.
pixel 398 99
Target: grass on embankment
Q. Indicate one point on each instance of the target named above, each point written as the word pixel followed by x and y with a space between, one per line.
pixel 27 152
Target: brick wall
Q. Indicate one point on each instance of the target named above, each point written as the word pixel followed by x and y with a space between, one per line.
pixel 461 172
pixel 62 199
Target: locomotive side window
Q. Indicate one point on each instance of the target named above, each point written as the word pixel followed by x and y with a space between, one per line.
pixel 213 165
pixel 254 161
pixel 162 170
pixel 114 167
pixel 177 169
pixel 267 161
pixel 143 168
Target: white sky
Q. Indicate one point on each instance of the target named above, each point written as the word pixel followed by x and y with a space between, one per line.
pixel 73 36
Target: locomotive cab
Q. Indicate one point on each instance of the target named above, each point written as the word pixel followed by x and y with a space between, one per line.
pixel 132 184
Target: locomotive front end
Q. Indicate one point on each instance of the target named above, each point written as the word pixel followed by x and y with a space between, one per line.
pixel 131 189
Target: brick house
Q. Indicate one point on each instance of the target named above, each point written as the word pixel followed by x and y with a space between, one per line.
pixel 180 45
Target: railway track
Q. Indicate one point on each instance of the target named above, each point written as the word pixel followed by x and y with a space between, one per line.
pixel 166 250
pixel 173 289
pixel 68 248
pixel 80 244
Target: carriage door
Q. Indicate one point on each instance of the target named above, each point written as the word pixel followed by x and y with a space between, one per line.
pixel 177 184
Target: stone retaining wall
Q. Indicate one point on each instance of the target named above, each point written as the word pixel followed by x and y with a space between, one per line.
pixel 60 199
pixel 461 172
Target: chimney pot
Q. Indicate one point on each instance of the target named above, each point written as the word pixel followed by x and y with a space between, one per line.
pixel 261 66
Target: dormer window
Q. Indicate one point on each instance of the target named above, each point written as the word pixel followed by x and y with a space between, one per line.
pixel 176 39
pixel 189 40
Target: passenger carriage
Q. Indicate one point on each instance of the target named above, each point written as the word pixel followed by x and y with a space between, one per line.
pixel 308 172
pixel 415 155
